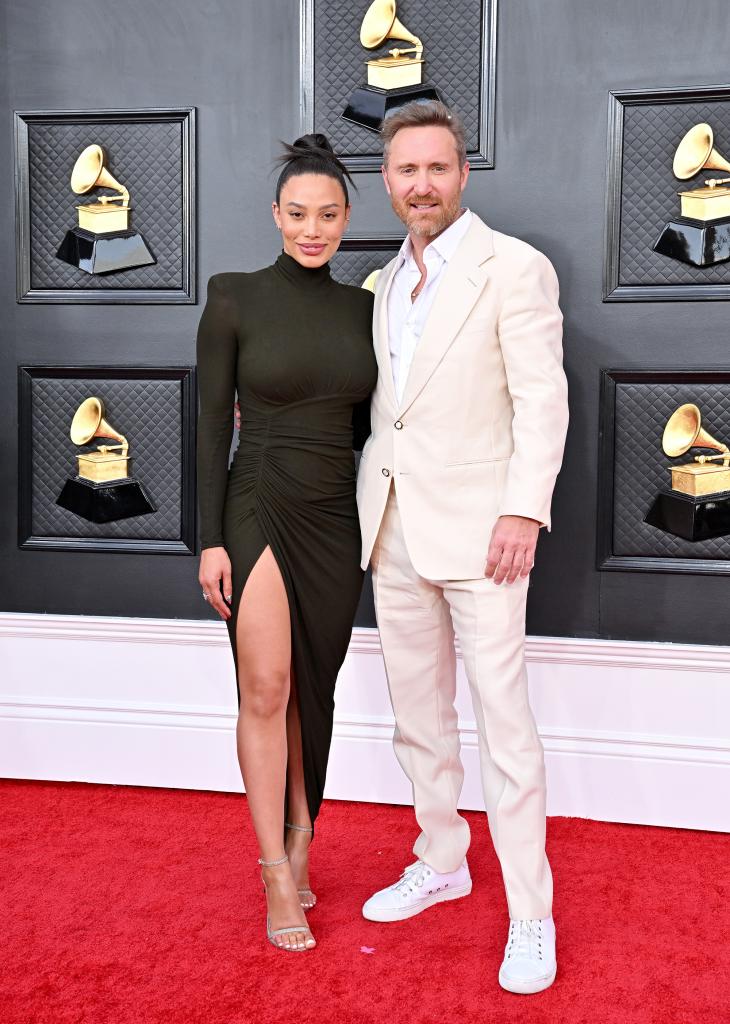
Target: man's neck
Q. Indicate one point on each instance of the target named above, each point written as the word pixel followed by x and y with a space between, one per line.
pixel 419 242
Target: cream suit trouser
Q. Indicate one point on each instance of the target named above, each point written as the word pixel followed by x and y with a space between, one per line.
pixel 417 619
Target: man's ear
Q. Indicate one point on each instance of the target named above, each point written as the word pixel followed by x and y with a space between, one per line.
pixel 384 172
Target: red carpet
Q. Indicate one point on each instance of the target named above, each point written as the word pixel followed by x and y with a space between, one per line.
pixel 140 905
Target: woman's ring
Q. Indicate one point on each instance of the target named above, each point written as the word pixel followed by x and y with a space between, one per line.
pixel 205 596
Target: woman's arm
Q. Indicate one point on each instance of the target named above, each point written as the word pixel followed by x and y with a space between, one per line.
pixel 217 350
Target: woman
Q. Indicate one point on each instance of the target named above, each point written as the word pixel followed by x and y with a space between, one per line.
pixel 280 534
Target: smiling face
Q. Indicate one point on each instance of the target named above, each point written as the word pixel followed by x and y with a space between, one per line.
pixel 312 216
pixel 424 180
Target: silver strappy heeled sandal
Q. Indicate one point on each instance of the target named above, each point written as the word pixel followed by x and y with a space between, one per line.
pixel 271 935
pixel 306 897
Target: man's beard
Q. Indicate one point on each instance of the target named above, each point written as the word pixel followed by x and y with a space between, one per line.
pixel 433 222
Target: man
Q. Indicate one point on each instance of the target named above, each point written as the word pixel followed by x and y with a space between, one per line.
pixel 468 427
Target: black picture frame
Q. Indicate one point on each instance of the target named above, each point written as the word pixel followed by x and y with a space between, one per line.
pixel 480 158
pixel 606 557
pixel 186 543
pixel 365 246
pixel 118 292
pixel 651 100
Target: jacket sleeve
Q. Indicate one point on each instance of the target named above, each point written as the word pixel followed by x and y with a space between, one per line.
pixel 530 336
pixel 217 354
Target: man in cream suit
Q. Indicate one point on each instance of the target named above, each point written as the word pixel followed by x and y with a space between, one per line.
pixel 468 427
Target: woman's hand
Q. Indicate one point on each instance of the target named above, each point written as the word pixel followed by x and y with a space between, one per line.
pixel 215 572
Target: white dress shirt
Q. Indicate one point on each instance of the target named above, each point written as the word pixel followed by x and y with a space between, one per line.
pixel 406 319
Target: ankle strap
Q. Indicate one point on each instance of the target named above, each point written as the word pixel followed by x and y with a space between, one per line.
pixel 273 863
pixel 299 828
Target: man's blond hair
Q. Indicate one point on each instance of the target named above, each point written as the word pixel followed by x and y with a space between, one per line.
pixel 422 114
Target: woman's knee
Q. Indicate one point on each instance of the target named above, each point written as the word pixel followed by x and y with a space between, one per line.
pixel 264 694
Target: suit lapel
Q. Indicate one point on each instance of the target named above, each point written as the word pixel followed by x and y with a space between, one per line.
pixel 462 284
pixel 381 341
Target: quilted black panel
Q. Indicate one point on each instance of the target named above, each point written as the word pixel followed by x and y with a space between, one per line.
pixel 148 413
pixel 649 193
pixel 353 266
pixel 146 158
pixel 641 467
pixel 452 38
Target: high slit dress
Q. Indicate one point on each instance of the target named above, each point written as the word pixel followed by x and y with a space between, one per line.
pixel 296 347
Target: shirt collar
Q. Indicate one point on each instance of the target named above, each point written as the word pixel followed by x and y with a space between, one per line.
pixel 445 244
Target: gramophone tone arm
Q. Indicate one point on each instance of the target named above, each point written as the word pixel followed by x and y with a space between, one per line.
pixel 123 199
pixel 123 447
pixel 724 455
pixel 417 49
pixel 714 182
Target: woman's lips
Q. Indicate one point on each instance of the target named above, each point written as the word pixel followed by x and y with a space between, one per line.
pixel 311 250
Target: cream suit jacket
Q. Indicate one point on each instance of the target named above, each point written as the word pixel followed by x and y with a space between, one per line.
pixel 481 427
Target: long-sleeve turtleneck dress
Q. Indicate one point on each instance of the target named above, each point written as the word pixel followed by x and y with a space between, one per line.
pixel 297 348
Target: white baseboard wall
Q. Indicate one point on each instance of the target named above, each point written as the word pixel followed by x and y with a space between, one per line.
pixel 633 732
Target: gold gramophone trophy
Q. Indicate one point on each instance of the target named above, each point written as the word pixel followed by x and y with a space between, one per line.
pixel 701 235
pixel 698 505
pixel 393 79
pixel 102 242
pixel 103 491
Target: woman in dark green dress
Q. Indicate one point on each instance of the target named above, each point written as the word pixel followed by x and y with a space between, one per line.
pixel 280 533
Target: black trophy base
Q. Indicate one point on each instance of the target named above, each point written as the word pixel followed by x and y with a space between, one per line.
pixel 691 518
pixel 103 254
pixel 105 503
pixel 369 106
pixel 697 242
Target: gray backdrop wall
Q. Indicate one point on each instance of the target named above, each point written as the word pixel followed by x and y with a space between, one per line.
pixel 236 61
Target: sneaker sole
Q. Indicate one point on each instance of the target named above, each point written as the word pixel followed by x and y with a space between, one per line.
pixel 428 901
pixel 528 988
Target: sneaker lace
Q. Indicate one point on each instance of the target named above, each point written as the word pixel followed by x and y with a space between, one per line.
pixel 525 940
pixel 412 878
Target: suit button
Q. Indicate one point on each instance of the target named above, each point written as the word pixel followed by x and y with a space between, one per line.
pixel 386 472
pixel 398 425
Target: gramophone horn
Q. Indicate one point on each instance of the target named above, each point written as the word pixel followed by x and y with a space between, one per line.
pixel 89 422
pixel 695 152
pixel 89 170
pixel 380 23
pixel 684 431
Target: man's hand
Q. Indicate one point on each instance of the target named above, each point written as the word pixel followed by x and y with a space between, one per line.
pixel 215 579
pixel 511 548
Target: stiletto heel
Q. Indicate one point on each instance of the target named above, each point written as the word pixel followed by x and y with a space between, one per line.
pixel 272 934
pixel 306 897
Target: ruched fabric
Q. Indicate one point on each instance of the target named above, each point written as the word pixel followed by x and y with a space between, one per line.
pixel 297 348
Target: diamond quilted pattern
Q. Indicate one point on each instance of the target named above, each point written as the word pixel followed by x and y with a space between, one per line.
pixel 641 467
pixel 453 53
pixel 353 266
pixel 649 199
pixel 144 156
pixel 148 413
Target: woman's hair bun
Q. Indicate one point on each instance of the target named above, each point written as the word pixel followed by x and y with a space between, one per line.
pixel 316 141
pixel 311 154
pixel 308 146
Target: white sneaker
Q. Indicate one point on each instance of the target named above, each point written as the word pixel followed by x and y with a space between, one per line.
pixel 529 963
pixel 418 888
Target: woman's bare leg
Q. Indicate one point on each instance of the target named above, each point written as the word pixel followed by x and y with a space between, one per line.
pixel 263 646
pixel 297 842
